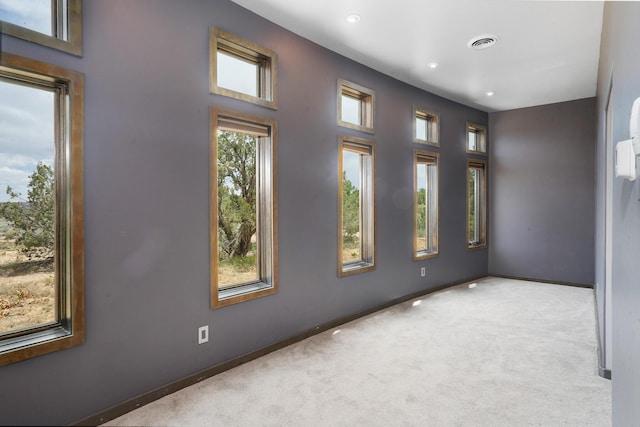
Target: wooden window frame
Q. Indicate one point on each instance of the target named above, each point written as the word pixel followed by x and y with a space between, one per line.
pixel 421 156
pixel 67 26
pixel 480 204
pixel 433 132
pixel 266 60
pixel 69 328
pixel 481 138
pixel 368 249
pixel 366 97
pixel 266 200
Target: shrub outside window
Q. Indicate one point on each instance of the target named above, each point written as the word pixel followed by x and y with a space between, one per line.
pixel 52 23
pixel 41 209
pixel 355 106
pixel 356 236
pixel 243 208
pixel 426 205
pixel 426 127
pixel 476 204
pixel 242 70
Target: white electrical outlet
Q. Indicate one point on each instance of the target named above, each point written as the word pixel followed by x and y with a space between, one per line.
pixel 423 271
pixel 203 334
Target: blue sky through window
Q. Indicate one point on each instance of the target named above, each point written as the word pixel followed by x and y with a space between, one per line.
pixel 422 176
pixel 351 165
pixel 26 134
pixel 238 75
pixel 421 129
pixel 350 110
pixel 32 14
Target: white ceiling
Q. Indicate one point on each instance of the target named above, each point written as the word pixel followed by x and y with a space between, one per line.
pixel 547 51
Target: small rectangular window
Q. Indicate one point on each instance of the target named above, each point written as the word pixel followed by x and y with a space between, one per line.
pixel 426 204
pixel 243 208
pixel 476 138
pixel 355 106
pixel 477 203
pixel 426 127
pixel 243 70
pixel 41 209
pixel 356 247
pixel 52 23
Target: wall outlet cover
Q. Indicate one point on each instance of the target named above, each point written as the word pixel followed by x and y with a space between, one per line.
pixel 203 334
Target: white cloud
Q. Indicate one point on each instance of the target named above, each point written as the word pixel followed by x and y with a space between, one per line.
pixel 9 160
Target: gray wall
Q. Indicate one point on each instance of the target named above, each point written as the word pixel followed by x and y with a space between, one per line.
pixel 620 63
pixel 541 196
pixel 147 196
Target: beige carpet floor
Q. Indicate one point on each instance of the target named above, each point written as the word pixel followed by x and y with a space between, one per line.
pixel 502 353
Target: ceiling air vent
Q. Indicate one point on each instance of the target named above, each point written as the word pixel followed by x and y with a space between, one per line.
pixel 482 42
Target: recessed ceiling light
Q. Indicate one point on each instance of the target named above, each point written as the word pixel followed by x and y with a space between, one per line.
pixel 490 93
pixel 433 65
pixel 482 42
pixel 353 18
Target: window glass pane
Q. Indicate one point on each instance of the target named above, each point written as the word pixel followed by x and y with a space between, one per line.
pixel 431 208
pixel 426 214
pixel 421 214
pixel 237 214
pixel 351 112
pixel 355 106
pixel 28 295
pixel 237 74
pixel 473 140
pixel 476 138
pixel 351 207
pixel 32 14
pixel 357 207
pixel 421 128
pixel 242 70
pixel 426 126
pixel 476 205
pixel 473 197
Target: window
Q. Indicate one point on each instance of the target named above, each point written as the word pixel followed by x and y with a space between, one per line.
pixel 426 205
pixel 355 106
pixel 41 209
pixel 356 241
pixel 52 23
pixel 243 208
pixel 476 138
pixel 477 203
pixel 426 127
pixel 243 70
